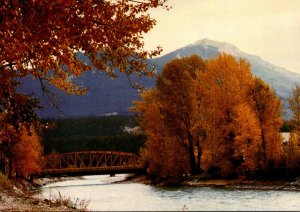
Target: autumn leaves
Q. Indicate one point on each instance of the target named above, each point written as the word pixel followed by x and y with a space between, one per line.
pixel 211 116
pixel 43 38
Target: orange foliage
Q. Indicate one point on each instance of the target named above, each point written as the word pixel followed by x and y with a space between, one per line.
pixel 223 86
pixel 27 154
pixel 292 147
pixel 163 155
pixel 267 107
pixel 247 139
pixel 216 110
pixel 16 113
pixel 294 102
pixel 42 38
pixel 175 86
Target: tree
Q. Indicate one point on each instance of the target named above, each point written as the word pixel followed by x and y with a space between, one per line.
pixel 168 118
pixel 215 109
pixel 294 102
pixel 247 139
pixel 176 87
pixel 16 114
pixel 267 107
pixel 224 84
pixel 292 153
pixel 42 38
pixel 163 156
pixel 27 154
pixel 46 39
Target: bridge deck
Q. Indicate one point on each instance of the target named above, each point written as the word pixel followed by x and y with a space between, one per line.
pixel 90 163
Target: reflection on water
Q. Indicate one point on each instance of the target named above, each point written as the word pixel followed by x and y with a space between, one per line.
pixel 104 194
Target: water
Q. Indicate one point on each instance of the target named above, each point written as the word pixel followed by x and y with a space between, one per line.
pixel 104 194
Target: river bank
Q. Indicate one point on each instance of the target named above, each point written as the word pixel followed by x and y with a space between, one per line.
pixel 246 184
pixel 200 181
pixel 21 195
pixel 24 195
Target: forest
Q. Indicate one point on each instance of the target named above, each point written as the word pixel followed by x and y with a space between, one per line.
pixel 213 116
pixel 91 134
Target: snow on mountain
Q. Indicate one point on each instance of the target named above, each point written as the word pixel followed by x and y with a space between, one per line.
pixel 221 46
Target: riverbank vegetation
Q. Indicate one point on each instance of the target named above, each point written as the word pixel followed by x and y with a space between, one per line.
pixel 214 117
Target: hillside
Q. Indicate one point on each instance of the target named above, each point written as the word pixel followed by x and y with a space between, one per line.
pixel 107 96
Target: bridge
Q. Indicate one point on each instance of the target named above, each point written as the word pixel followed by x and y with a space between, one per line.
pixel 90 163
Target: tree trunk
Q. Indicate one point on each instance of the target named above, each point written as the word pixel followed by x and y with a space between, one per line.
pixel 192 154
pixel 264 147
pixel 2 163
pixel 9 167
pixel 199 159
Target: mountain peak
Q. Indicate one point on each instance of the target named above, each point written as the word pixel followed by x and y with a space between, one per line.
pixel 221 46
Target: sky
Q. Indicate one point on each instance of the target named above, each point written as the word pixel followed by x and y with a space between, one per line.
pixel 266 28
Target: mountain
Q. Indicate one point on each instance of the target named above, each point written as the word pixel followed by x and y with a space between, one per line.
pixel 279 78
pixel 107 96
pixel 104 97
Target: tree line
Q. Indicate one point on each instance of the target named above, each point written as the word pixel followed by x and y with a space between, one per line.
pixel 87 134
pixel 211 116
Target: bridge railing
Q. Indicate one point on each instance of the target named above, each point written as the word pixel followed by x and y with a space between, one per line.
pixel 90 159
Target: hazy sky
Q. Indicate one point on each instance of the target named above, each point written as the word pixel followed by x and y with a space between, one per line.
pixel 267 28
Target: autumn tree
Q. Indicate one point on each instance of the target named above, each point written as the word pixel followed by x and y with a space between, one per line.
pixel 27 154
pixel 294 102
pixel 224 85
pixel 267 107
pixel 45 39
pixel 42 38
pixel 168 119
pixel 163 156
pixel 243 120
pixel 216 110
pixel 247 140
pixel 175 85
pixel 291 153
pixel 17 113
pixel 292 147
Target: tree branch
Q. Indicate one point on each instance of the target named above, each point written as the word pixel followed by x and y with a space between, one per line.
pixel 11 64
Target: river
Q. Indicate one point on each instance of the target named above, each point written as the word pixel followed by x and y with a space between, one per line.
pixel 105 194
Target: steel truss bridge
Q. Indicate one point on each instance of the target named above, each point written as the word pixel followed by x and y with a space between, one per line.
pixel 90 162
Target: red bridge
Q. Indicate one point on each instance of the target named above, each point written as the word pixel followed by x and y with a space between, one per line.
pixel 91 162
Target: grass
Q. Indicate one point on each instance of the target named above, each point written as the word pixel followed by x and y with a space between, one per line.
pixel 69 202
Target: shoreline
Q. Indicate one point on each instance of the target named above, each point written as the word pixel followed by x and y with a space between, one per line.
pixel 24 196
pixel 277 185
pixel 197 181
